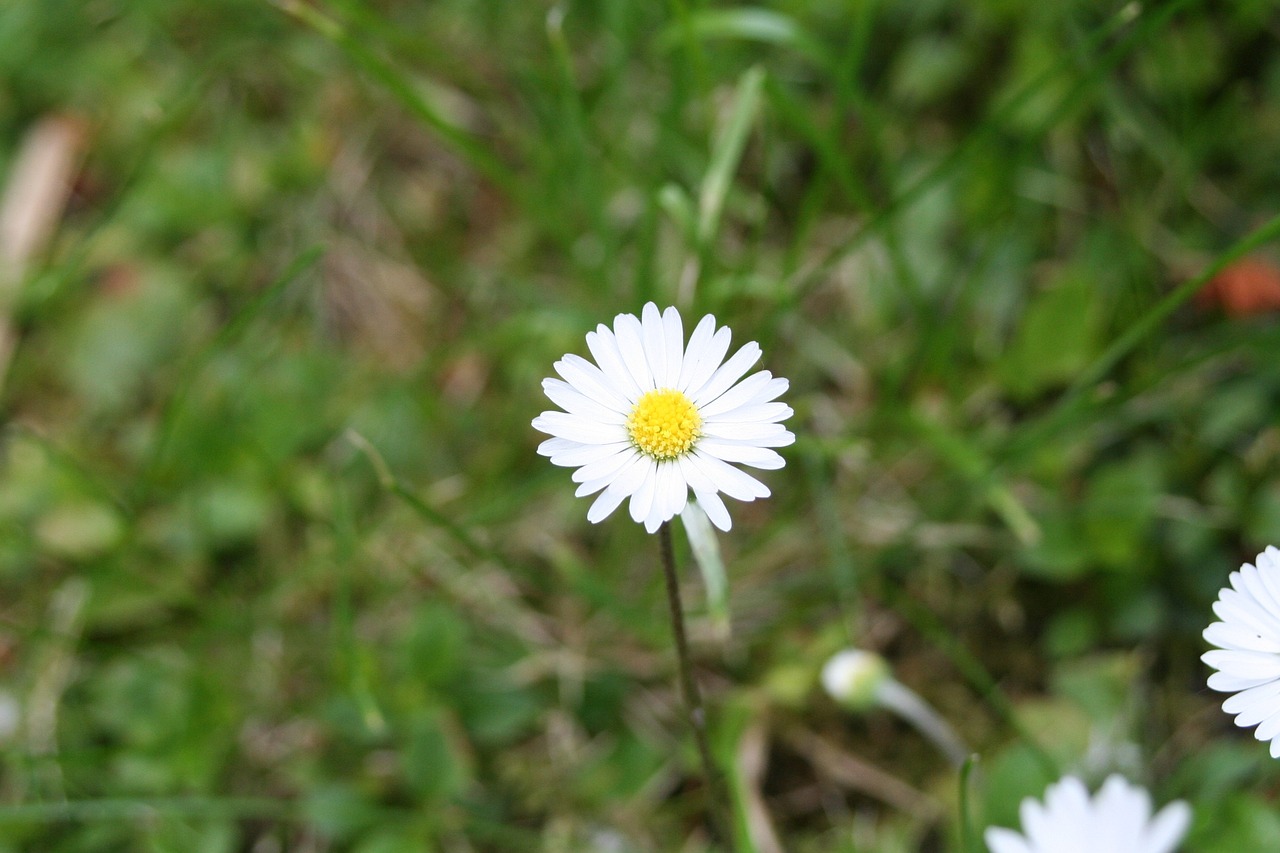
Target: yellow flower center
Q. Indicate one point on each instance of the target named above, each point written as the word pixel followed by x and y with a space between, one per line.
pixel 664 424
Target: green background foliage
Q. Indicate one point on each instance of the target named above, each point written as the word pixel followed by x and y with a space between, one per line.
pixel 281 570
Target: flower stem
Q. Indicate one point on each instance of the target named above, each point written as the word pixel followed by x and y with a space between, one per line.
pixel 907 704
pixel 717 801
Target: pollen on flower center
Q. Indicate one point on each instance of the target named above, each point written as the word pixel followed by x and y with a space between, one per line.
pixel 664 424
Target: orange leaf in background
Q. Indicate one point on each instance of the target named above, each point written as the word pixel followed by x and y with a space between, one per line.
pixel 1249 286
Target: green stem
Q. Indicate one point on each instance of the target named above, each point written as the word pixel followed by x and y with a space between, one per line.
pixel 968 832
pixel 717 801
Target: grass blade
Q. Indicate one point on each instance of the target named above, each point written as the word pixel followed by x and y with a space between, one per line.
pixel 727 152
pixel 1076 395
pixel 173 407
pixel 399 86
pixel 968 832
pixel 747 24
pixel 808 276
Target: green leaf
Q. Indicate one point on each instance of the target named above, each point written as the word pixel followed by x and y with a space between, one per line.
pixel 495 711
pixel 80 530
pixel 1071 633
pixel 1243 822
pixel 1118 510
pixel 1101 685
pixel 929 68
pixel 339 809
pixel 1263 522
pixel 389 840
pixel 435 646
pixel 231 512
pixel 124 337
pixel 433 761
pixel 1057 338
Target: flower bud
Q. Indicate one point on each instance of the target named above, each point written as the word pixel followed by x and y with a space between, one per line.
pixel 854 678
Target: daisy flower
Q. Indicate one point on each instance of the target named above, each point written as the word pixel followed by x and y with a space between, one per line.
pixel 654 419
pixel 1117 820
pixel 1248 653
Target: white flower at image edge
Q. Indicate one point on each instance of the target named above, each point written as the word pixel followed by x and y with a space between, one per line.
pixel 654 419
pixel 1248 641
pixel 1117 820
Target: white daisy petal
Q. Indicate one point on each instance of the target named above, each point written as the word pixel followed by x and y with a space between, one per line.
pixel 586 454
pixel 669 495
pixel 604 505
pixel 1269 574
pixel 1244 664
pixel 653 419
pixel 661 498
pixel 1116 820
pixel 594 382
pixel 709 361
pixel 583 430
pixel 625 483
pixel 1254 712
pixel 556 446
pixel 692 474
pixel 743 454
pixel 1252 585
pixel 676 490
pixel 775 388
pixel 1005 841
pixel 604 347
pixel 699 342
pixel 633 474
pixel 1224 683
pixel 1230 636
pixel 741 394
pixel 1269 727
pixel 655 339
pixel 1235 609
pixel 751 432
pixel 1262 696
pixel 727 374
pixel 764 413
pixel 731 481
pixel 673 343
pixel 1247 659
pixel 590 487
pixel 575 402
pixel 642 499
pixel 756 435
pixel 1036 819
pixel 715 509
pixel 630 337
pixel 1117 801
pixel 606 466
pixel 780 438
pixel 1167 829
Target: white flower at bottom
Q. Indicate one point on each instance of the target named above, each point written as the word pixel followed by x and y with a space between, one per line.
pixel 1117 820
pixel 653 419
pixel 1248 641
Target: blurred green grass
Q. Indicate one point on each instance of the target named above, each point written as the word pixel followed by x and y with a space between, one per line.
pixel 281 570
